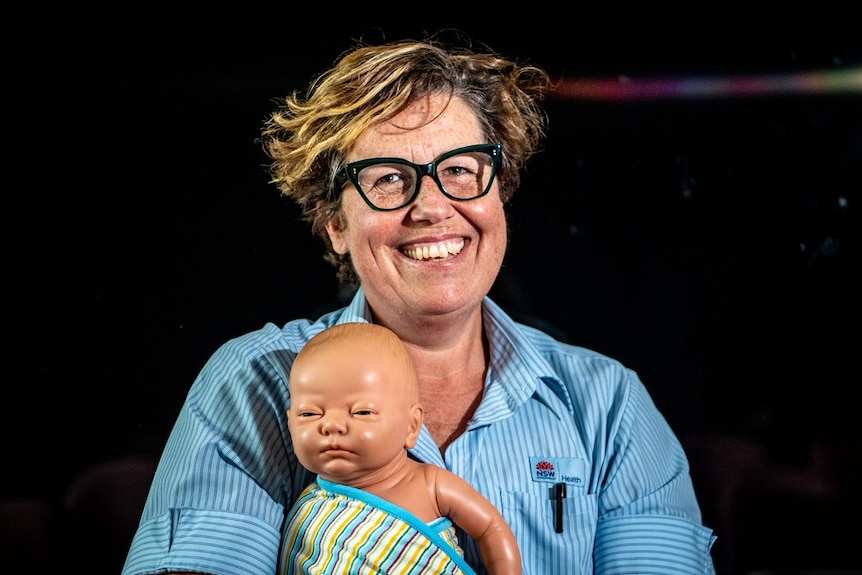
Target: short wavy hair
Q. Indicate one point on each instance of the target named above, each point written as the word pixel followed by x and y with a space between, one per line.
pixel 307 137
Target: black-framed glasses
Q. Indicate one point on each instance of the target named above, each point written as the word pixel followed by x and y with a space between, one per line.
pixel 391 183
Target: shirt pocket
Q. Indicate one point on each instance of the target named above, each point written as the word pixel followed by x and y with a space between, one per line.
pixel 544 550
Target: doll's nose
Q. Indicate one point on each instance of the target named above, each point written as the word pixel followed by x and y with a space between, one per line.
pixel 332 425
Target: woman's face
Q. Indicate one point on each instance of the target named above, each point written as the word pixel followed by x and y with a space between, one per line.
pixel 434 256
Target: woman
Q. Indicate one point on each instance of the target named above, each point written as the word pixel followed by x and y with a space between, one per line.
pixel 404 157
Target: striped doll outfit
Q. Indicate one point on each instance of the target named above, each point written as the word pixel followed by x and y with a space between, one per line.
pixel 339 529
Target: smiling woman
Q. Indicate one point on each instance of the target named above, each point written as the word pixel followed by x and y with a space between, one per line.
pixel 565 443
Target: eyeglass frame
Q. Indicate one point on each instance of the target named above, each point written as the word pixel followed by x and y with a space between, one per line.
pixel 350 172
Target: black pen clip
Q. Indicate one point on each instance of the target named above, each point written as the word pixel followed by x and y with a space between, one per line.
pixel 558 493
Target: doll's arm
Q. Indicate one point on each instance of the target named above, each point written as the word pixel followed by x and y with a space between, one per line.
pixel 472 512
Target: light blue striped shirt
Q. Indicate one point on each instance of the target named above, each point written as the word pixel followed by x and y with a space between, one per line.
pixel 552 413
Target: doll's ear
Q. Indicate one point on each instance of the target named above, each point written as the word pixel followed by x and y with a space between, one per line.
pixel 417 416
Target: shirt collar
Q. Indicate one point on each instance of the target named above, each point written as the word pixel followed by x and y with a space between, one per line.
pixel 355 311
pixel 518 364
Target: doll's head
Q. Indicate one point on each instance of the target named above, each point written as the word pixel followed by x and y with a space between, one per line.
pixel 354 402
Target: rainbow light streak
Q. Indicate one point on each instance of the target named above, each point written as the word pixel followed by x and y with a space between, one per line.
pixel 694 87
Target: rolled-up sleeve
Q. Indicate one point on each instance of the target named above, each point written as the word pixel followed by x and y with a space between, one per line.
pixel 649 517
pixel 201 541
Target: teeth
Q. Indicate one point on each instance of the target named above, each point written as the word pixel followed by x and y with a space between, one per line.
pixel 441 250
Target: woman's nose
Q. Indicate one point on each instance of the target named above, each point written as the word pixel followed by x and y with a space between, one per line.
pixel 430 203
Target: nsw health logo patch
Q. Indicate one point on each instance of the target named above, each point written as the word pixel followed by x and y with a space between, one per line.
pixel 567 470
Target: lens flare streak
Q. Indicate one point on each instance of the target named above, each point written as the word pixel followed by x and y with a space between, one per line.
pixel 698 87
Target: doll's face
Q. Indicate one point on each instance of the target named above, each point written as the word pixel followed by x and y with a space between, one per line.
pixel 354 407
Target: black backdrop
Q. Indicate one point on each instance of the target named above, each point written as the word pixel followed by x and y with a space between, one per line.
pixel 710 243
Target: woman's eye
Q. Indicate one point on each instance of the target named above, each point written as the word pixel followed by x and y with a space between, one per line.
pixel 389 179
pixel 456 171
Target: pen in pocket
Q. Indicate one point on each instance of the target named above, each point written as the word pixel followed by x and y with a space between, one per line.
pixel 557 494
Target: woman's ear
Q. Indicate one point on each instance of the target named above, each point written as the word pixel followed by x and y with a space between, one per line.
pixel 417 416
pixel 337 235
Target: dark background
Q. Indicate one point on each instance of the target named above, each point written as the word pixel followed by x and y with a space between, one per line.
pixel 711 243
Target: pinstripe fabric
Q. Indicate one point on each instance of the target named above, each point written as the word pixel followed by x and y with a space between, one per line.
pixel 229 467
pixel 338 529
